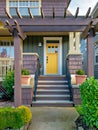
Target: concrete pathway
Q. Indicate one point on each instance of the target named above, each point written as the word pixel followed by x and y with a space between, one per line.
pixel 45 118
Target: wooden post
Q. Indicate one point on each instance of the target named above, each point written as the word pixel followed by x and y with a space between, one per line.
pixel 17 64
pixel 90 54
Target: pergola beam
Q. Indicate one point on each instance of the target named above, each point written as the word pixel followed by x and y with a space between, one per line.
pixel 30 13
pixel 65 13
pixel 8 14
pixel 88 12
pixel 53 12
pixel 85 33
pixel 77 12
pixel 18 13
pixel 20 32
pixel 42 13
pixel 9 26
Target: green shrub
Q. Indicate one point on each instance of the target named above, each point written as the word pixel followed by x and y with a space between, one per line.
pixel 80 72
pixel 25 72
pixel 79 109
pixel 14 117
pixel 8 83
pixel 89 96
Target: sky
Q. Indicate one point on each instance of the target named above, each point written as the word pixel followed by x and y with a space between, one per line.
pixel 83 6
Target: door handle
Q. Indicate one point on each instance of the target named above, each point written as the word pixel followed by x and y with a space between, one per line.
pixel 47 59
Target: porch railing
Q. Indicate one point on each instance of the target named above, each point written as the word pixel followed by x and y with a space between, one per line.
pixel 5 65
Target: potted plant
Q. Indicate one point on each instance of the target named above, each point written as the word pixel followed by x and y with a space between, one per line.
pixel 80 76
pixel 25 76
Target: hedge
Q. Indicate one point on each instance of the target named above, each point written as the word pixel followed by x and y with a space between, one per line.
pixel 14 117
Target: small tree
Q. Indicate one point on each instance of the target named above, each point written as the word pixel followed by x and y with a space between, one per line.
pixel 89 96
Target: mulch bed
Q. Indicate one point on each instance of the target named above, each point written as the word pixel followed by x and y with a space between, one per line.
pixel 4 103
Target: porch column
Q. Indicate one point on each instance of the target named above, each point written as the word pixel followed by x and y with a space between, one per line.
pixel 71 39
pixel 90 54
pixel 77 37
pixel 17 63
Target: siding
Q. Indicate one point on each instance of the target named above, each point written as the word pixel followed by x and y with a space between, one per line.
pixel 96 71
pixel 65 48
pixel 59 7
pixel 31 46
pixel 2 7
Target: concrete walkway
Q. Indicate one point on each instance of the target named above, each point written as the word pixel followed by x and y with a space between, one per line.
pixel 45 118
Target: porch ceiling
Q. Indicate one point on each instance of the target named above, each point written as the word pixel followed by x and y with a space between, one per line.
pixel 4 32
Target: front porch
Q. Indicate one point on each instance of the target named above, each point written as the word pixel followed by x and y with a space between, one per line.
pixel 49 36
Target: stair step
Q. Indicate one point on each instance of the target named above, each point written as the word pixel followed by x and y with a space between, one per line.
pixel 53 103
pixel 56 90
pixel 52 86
pixel 53 81
pixel 52 97
pixel 52 77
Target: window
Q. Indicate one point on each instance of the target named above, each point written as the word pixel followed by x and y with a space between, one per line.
pixel 23 6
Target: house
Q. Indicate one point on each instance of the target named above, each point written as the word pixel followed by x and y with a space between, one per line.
pixel 44 28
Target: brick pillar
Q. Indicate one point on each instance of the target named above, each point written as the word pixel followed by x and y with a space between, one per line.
pixel 90 54
pixel 17 64
pixel 74 62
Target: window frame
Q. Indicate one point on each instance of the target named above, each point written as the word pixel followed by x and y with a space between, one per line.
pixel 8 7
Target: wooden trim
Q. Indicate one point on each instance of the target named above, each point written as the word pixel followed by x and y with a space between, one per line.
pixel 88 12
pixel 30 13
pixel 18 13
pixel 77 12
pixel 20 32
pixel 8 14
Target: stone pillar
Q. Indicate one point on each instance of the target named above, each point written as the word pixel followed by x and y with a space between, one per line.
pixel 17 64
pixel 90 54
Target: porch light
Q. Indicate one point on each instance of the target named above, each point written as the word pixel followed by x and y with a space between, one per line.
pixel 39 44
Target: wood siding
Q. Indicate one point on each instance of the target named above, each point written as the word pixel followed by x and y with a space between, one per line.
pixel 96 71
pixel 59 7
pixel 31 46
pixel 2 7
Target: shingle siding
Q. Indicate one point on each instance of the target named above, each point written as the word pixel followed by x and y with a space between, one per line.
pixel 2 7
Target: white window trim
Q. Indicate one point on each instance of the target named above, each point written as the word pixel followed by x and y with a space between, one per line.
pixel 59 54
pixel 7 5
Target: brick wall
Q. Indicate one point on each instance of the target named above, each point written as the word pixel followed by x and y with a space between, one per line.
pixel 74 63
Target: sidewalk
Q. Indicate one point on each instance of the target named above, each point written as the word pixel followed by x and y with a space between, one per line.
pixel 45 118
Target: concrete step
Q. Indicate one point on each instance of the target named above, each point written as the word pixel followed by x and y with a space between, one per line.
pixel 52 97
pixel 51 92
pixel 52 77
pixel 53 103
pixel 52 87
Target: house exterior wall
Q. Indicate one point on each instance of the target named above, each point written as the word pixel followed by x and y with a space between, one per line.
pixel 47 6
pixel 2 7
pixel 30 45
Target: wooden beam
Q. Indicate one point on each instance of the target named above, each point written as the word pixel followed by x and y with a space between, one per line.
pixel 30 13
pixel 9 26
pixel 8 14
pixel 77 12
pixel 86 31
pixel 18 13
pixel 65 13
pixel 88 12
pixel 20 32
pixel 53 12
pixel 42 13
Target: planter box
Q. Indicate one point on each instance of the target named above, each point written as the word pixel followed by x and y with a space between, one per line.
pixel 80 79
pixel 25 79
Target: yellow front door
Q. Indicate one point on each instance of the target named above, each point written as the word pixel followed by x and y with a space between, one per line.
pixel 52 58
